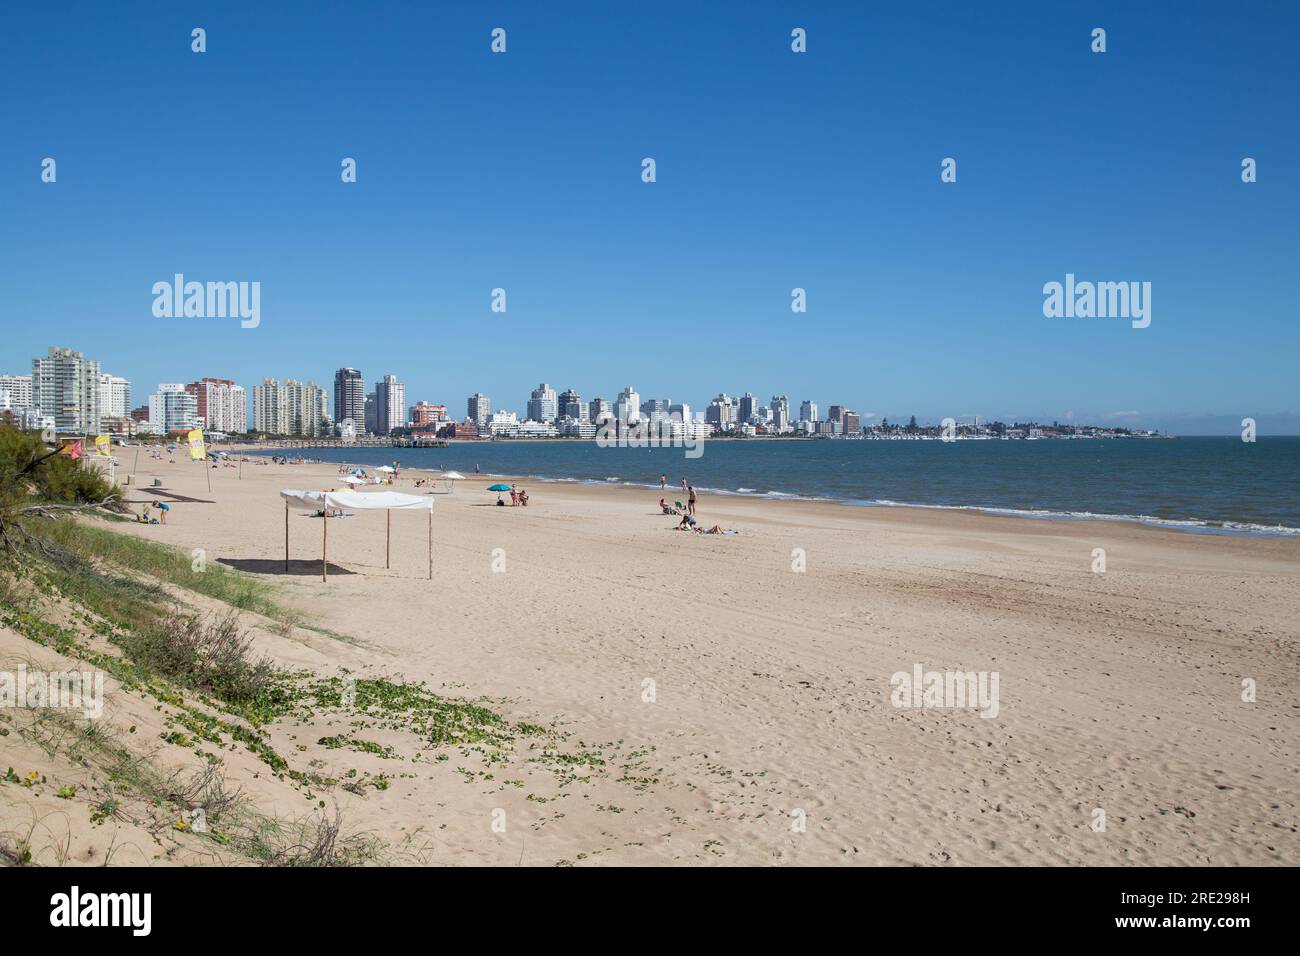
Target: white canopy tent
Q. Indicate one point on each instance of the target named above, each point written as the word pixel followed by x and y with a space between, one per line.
pixel 324 501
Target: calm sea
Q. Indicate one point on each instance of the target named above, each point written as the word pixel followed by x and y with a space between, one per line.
pixel 1201 484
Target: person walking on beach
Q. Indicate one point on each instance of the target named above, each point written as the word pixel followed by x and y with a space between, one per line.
pixel 683 486
pixel 663 482
pixel 690 500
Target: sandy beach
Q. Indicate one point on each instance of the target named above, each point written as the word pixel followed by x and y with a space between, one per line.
pixel 734 692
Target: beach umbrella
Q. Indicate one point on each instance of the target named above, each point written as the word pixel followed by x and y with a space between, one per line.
pixel 498 487
pixel 453 475
pixel 352 480
pixel 385 468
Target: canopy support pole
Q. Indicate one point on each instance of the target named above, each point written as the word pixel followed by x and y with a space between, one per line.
pixel 388 545
pixel 324 540
pixel 431 544
pixel 286 537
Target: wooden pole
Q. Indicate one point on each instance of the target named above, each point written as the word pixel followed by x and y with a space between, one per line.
pixel 388 545
pixel 286 537
pixel 431 541
pixel 325 539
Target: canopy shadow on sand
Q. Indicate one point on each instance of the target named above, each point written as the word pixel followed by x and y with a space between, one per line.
pixel 277 566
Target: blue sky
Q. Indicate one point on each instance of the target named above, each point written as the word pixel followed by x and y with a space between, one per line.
pixel 775 170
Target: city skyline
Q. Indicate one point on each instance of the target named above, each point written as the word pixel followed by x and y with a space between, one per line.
pixel 923 297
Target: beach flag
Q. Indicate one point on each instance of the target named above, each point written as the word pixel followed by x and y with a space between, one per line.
pixel 72 449
pixel 197 451
pixel 102 445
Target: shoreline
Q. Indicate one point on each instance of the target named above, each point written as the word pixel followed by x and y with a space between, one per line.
pixel 1190 525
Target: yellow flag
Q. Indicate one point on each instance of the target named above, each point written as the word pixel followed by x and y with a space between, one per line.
pixel 102 445
pixel 197 451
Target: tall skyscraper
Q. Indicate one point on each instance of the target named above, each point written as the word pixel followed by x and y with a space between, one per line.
pixel 173 409
pixel 478 409
pixel 390 405
pixel 722 412
pixel 349 398
pixel 598 410
pixel 780 406
pixel 627 407
pixel 269 413
pixel 808 411
pixel 571 406
pixel 748 409
pixel 542 406
pixel 65 387
pixel 114 396
pixel 222 405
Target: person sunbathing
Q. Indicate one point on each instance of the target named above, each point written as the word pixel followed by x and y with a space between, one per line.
pixel 663 505
pixel 687 523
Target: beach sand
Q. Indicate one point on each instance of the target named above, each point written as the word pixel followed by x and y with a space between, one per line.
pixel 743 707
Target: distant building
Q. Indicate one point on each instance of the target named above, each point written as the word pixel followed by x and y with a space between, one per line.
pixel 65 387
pixel 370 415
pixel 478 408
pixel 390 405
pixel 173 409
pixel 598 410
pixel 627 407
pixel 747 410
pixel 722 412
pixel 222 405
pixel 851 423
pixel 15 392
pixel 503 423
pixel 542 405
pixel 426 417
pixel 114 396
pixel 349 398
pixel 571 406
pixel 780 406
pixel 808 411
pixel 290 407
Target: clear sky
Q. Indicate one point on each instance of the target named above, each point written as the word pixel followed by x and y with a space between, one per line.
pixel 775 170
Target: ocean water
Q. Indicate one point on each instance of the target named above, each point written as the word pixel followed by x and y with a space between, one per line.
pixel 1221 485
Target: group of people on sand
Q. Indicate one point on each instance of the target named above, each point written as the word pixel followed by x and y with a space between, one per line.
pixel 687 511
pixel 517 497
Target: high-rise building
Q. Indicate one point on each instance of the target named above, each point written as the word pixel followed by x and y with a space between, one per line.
pixel 747 412
pixel 305 405
pixel 656 408
pixel 390 405
pixel 478 408
pixel 173 409
pixel 598 410
pixel 780 406
pixel 15 392
pixel 627 407
pixel 571 406
pixel 222 405
pixel 370 415
pixel 349 398
pixel 65 387
pixel 542 405
pixel 722 412
pixel 852 422
pixel 269 414
pixel 808 411
pixel 114 396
